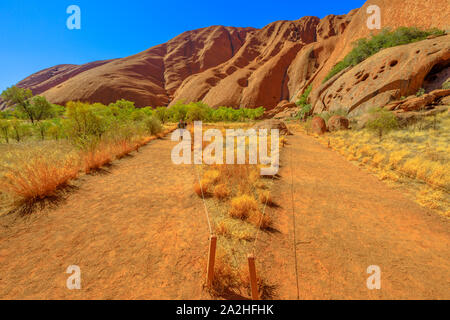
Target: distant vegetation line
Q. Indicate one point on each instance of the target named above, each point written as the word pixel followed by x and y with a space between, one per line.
pixel 33 116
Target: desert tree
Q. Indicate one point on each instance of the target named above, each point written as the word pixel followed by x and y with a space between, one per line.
pixel 41 108
pixel 35 108
pixel 20 99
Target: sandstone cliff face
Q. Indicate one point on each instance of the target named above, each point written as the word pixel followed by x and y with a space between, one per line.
pixel 246 67
pixel 150 77
pixel 257 74
pixel 388 75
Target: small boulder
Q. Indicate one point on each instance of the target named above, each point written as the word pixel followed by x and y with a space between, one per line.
pixel 318 125
pixel 336 123
pixel 273 124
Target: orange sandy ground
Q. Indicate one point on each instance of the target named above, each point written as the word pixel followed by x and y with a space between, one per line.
pixel 346 220
pixel 138 231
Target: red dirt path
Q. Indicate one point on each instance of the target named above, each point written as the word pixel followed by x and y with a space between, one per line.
pixel 347 220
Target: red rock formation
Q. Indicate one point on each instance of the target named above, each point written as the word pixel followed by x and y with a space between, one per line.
pixel 148 78
pixel 386 76
pixel 257 74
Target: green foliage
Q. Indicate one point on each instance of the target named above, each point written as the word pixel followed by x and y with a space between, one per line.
pixel 7 114
pixel 161 114
pixel 304 97
pixel 383 121
pixel 152 125
pixel 5 128
pixel 17 96
pixel 305 110
pixel 20 99
pixel 85 124
pixel 19 129
pixel 26 106
pixel 420 92
pixel 199 111
pixel 148 111
pixel 364 48
pixel 41 128
pixel 58 111
pixel 446 84
pixel 123 104
pixel 41 108
pixel 305 107
pixel 56 129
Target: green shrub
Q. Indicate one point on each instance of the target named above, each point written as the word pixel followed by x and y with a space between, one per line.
pixel 304 112
pixel 123 104
pixel 364 48
pixel 446 84
pixel 420 92
pixel 20 129
pixel 304 97
pixel 305 108
pixel 152 125
pixel 383 121
pixel 83 123
pixel 41 128
pixel 161 114
pixel 197 111
pixel 55 131
pixel 86 125
pixel 5 128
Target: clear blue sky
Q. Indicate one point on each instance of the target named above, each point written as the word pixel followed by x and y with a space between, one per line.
pixel 34 36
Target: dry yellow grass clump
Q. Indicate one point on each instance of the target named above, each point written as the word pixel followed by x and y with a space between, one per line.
pixel 243 206
pixel 260 220
pixel 123 148
pixel 221 191
pixel 265 197
pixel 202 188
pixel 97 158
pixel 33 175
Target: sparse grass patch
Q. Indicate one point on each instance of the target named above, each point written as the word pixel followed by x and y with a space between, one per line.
pixel 433 199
